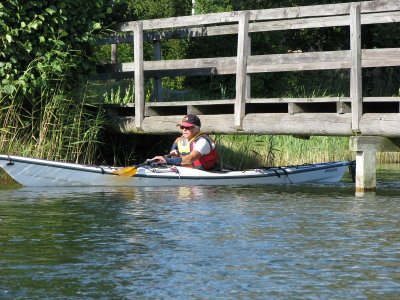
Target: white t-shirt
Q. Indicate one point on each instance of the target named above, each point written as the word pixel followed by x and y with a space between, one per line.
pixel 203 146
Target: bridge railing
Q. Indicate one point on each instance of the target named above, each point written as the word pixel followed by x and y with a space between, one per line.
pixel 243 24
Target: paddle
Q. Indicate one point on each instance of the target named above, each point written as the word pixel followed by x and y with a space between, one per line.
pixel 131 170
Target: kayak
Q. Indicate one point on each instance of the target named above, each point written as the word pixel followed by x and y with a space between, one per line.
pixel 40 172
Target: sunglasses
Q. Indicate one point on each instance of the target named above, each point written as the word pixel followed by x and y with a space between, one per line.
pixel 187 128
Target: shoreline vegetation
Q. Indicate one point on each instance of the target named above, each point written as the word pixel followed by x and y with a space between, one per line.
pixel 72 126
pixel 57 122
pixel 49 110
pixel 251 151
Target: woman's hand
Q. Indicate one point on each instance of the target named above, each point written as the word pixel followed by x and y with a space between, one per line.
pixel 159 160
pixel 174 153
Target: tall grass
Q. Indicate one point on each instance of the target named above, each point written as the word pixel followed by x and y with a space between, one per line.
pixel 388 157
pixel 249 151
pixel 50 121
pixel 114 92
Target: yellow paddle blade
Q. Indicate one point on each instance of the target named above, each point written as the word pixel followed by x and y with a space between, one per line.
pixel 127 171
pixel 130 173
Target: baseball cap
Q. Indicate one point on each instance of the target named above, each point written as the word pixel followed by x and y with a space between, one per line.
pixel 190 120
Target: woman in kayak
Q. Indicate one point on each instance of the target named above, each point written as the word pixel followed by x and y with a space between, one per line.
pixel 193 148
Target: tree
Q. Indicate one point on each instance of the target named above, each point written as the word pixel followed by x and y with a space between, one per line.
pixel 44 33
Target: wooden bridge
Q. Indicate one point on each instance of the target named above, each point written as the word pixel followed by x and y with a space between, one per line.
pixel 372 122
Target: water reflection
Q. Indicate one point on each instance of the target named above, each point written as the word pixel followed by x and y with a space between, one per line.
pixel 187 193
pixel 271 242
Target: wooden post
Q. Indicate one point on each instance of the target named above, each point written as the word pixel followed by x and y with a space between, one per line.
pixel 248 78
pixel 366 148
pixel 139 74
pixel 157 92
pixel 366 171
pixel 356 69
pixel 241 69
pixel 114 53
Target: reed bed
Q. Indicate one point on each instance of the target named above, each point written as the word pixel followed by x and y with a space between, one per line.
pixel 241 152
pixel 250 151
pixel 388 157
pixel 50 121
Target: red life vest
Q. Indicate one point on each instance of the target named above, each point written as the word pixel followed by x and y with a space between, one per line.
pixel 207 161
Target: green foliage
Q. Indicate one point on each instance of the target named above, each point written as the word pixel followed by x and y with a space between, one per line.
pixel 213 6
pixel 46 50
pixel 43 31
pixel 242 152
pixel 252 151
pixel 120 97
pixel 44 55
pixel 128 10
pixel 51 122
pixel 152 9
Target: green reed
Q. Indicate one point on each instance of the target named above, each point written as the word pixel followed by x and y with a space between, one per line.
pixel 241 152
pixel 249 151
pixel 388 157
pixel 50 121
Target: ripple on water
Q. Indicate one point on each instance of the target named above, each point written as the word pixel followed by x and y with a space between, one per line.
pixel 284 242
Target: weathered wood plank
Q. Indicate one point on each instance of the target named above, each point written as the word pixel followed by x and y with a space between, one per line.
pixel 299 100
pixel 320 22
pixel 382 124
pixel 380 57
pixel 322 10
pixel 297 62
pixel 157 91
pixel 139 75
pixel 165 65
pixel 329 124
pixel 114 53
pixel 301 123
pixel 356 67
pixel 185 103
pixel 320 60
pixel 248 77
pixel 257 63
pixel 264 14
pixel 259 101
pixel 241 67
pixel 381 99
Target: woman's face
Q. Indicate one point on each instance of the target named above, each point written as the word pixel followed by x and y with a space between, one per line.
pixel 189 132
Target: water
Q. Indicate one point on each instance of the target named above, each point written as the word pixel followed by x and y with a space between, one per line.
pixel 276 242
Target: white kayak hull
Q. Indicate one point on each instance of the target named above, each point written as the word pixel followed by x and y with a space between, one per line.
pixel 38 172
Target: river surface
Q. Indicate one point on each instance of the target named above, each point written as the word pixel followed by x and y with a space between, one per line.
pixel 272 242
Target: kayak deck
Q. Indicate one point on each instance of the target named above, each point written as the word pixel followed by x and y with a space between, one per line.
pixel 39 172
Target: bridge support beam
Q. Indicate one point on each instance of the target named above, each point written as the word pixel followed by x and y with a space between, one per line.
pixel 366 148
